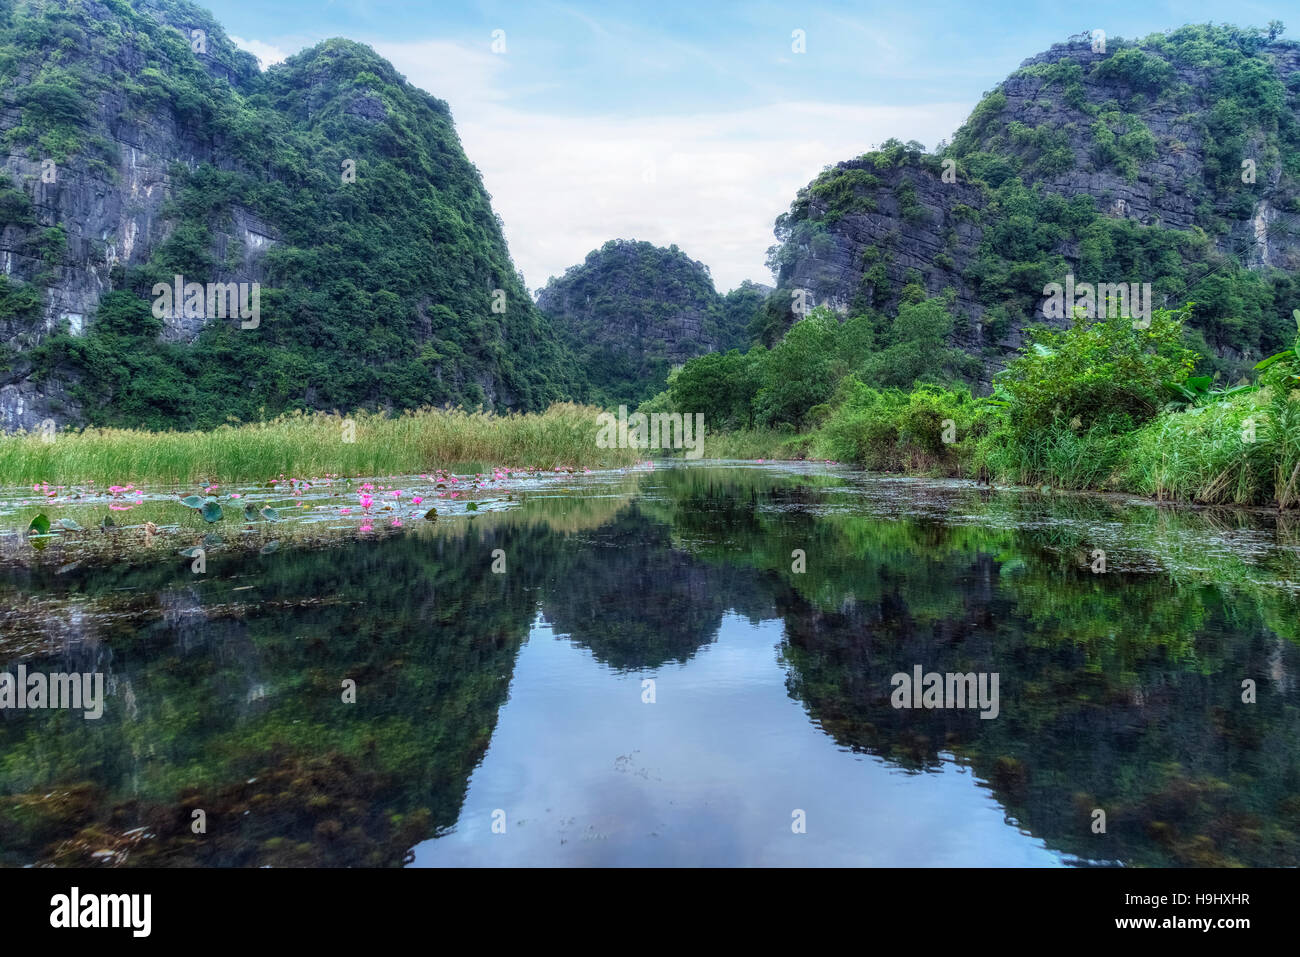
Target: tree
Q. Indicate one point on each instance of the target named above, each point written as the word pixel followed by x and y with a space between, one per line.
pixel 719 385
pixel 1101 371
pixel 799 372
pixel 918 350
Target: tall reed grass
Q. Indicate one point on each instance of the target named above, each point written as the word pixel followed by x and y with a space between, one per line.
pixel 312 444
pixel 1244 452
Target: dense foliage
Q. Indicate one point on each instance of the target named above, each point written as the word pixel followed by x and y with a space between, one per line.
pixel 1025 191
pixel 631 310
pixel 1105 403
pixel 377 292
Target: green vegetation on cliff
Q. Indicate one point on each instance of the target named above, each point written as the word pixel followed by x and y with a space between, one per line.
pixel 1058 171
pixel 378 290
pixel 632 310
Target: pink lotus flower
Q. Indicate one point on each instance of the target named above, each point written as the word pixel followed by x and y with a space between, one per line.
pixel 121 508
pixel 366 501
pixel 417 500
pixel 346 511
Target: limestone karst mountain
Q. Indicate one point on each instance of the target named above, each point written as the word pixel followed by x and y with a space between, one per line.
pixel 142 146
pixel 1173 160
pixel 631 310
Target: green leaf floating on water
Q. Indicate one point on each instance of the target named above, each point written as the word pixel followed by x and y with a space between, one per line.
pixel 250 513
pixel 211 540
pixel 471 506
pixel 40 525
pixel 431 514
pixel 211 512
pixel 69 524
pixel 270 514
pixel 192 501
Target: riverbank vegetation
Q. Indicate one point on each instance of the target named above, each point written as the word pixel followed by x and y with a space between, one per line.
pixel 311 445
pixel 1101 405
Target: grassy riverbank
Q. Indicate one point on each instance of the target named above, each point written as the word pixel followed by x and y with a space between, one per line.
pixel 1243 451
pixel 308 445
pixel 1103 405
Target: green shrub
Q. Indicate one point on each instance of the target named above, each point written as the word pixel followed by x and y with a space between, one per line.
pixel 1097 371
pixel 931 430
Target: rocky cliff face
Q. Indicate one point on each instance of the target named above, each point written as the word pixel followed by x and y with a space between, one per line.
pixel 632 310
pixel 108 198
pixel 141 144
pixel 1166 161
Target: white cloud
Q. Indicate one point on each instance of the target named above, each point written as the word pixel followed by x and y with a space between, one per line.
pixel 712 182
pixel 450 71
pixel 266 54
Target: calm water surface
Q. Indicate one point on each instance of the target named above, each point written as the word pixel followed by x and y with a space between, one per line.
pixel 646 680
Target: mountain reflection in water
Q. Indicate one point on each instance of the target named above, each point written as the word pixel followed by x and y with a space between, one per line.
pixel 649 683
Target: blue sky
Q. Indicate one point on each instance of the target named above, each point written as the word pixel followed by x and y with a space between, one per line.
pixel 692 122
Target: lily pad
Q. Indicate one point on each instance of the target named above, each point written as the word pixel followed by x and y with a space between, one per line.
pixel 431 514
pixel 471 506
pixel 69 524
pixel 192 501
pixel 211 512
pixel 40 525
pixel 270 514
pixel 250 513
